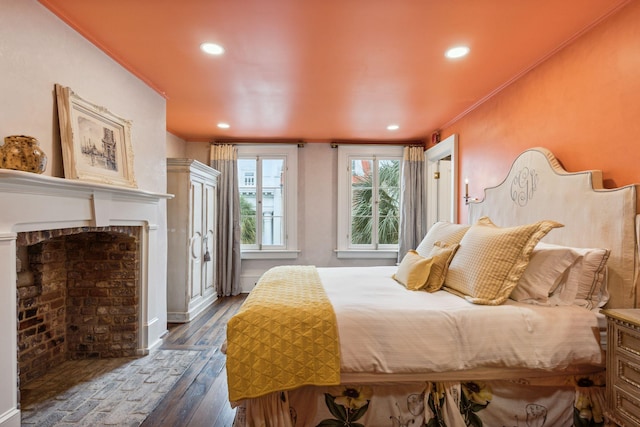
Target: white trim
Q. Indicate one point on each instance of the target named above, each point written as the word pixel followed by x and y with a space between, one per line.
pixel 10 418
pixel 269 254
pixel 372 254
pixel 193 312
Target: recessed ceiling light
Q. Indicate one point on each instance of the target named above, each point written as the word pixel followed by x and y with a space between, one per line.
pixel 212 48
pixel 393 127
pixel 224 125
pixel 457 52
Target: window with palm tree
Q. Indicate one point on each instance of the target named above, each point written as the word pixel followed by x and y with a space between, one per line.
pixel 375 202
pixel 368 204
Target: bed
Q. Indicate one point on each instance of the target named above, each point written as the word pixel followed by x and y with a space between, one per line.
pixel 496 322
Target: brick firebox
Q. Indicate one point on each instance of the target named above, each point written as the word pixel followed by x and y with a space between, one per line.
pixel 78 296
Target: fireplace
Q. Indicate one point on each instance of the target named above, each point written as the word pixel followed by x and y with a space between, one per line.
pixel 82 275
pixel 78 293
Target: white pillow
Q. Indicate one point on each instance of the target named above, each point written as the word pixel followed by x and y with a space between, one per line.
pixel 445 232
pixel 585 282
pixel 544 273
pixel 589 277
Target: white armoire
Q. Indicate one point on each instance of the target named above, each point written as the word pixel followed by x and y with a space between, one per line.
pixel 191 228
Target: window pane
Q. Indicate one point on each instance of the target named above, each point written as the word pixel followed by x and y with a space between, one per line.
pixel 389 175
pixel 247 219
pixel 246 169
pixel 388 230
pixel 272 230
pixel 389 197
pixel 272 202
pixel 361 171
pixel 247 187
pixel 272 218
pixel 361 227
pixel 361 201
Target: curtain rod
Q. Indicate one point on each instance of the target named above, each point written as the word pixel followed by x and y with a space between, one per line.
pixel 408 142
pixel 300 143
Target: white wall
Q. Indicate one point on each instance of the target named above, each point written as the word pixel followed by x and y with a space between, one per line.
pixel 199 151
pixel 317 206
pixel 38 50
pixel 176 146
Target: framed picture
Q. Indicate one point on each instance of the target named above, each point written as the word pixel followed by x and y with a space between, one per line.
pixel 96 144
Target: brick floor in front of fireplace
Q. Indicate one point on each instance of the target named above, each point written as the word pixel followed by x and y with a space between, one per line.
pixel 103 392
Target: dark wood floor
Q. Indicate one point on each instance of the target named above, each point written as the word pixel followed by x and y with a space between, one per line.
pixel 199 398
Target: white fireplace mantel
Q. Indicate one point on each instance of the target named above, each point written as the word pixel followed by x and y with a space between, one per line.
pixel 31 202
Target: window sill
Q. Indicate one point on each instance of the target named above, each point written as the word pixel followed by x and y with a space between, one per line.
pixel 379 254
pixel 276 254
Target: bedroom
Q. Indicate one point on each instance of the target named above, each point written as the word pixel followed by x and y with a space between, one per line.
pixel 581 104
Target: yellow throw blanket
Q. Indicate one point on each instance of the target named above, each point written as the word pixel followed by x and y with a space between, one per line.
pixel 284 336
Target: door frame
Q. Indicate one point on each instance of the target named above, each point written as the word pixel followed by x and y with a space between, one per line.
pixel 445 148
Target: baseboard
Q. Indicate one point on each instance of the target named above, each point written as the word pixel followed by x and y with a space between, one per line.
pixel 247 282
pixel 188 316
pixel 11 418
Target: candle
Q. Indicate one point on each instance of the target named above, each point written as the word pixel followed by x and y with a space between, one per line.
pixel 466 187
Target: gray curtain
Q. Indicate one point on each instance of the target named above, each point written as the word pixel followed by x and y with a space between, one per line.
pixel 413 209
pixel 224 158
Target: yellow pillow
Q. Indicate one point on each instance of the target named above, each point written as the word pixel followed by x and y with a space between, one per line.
pixel 491 260
pixel 413 271
pixel 442 254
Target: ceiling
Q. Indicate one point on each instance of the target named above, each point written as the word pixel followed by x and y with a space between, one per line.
pixel 326 69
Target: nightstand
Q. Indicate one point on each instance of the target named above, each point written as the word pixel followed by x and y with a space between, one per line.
pixel 623 366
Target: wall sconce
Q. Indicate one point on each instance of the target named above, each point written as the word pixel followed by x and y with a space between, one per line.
pixel 466 197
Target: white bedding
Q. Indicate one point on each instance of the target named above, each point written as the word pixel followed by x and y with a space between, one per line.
pixel 386 329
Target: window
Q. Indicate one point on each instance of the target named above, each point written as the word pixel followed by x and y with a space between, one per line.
pixel 267 181
pixel 368 201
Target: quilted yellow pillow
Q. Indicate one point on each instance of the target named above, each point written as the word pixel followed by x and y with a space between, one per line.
pixel 442 254
pixel 413 271
pixel 491 259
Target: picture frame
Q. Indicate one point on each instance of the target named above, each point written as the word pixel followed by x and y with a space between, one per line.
pixel 96 144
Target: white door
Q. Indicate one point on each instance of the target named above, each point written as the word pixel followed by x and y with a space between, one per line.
pixel 442 181
pixel 444 191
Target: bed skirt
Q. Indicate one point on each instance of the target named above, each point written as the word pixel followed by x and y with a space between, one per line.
pixel 552 401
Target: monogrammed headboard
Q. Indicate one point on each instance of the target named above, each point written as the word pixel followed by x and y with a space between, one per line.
pixel 537 187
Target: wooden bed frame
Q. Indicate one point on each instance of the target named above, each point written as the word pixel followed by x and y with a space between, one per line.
pixel 537 187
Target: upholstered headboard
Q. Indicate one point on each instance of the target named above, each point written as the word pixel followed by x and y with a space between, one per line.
pixel 537 187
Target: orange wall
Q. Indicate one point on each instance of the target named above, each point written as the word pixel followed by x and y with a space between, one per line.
pixel 583 104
